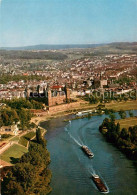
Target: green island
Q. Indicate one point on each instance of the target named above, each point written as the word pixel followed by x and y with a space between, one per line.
pixel 31 174
pixel 122 133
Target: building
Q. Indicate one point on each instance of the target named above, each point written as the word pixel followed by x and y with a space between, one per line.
pixel 57 95
pixel 53 95
pixel 103 83
pixel 12 129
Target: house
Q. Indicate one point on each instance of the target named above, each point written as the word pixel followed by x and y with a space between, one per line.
pixel 13 129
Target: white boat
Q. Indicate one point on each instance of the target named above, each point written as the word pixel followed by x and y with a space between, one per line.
pixel 79 114
pixel 84 112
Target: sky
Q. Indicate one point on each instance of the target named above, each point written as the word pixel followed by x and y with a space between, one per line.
pixel 33 22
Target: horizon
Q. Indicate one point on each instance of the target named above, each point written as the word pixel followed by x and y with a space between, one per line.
pixel 98 44
pixel 73 44
pixel 56 22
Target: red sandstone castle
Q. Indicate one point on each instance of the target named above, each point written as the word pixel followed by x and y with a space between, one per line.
pixel 54 95
pixel 58 95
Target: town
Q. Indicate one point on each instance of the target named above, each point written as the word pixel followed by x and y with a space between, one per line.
pixel 41 85
pixel 113 72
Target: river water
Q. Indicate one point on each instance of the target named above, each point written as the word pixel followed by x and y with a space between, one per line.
pixel 71 168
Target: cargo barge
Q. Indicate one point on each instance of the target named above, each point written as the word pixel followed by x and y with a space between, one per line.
pixel 99 184
pixel 87 151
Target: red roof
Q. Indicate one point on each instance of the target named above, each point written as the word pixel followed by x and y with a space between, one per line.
pixel 25 74
pixel 56 87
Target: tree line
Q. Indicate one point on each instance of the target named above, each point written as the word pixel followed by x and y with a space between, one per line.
pixel 18 111
pixel 48 55
pixel 5 78
pixel 107 97
pixel 9 116
pixel 23 103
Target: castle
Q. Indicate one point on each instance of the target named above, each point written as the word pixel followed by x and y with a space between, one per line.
pixel 54 95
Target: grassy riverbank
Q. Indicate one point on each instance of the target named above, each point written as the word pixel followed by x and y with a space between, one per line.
pixel 128 122
pixel 117 106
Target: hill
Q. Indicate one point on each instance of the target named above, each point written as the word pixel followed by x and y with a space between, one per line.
pixel 52 47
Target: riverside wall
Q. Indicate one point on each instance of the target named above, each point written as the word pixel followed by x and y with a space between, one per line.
pixel 63 107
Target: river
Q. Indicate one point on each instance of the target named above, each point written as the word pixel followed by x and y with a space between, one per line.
pixel 71 168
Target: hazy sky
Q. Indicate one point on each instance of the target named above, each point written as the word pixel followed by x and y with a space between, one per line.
pixel 30 22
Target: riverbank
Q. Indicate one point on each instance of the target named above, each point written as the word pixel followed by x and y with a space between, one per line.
pixel 130 105
pixel 117 106
pixel 50 115
pixel 122 134
pixel 128 122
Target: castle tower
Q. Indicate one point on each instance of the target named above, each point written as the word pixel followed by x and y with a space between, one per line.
pixel 101 76
pixel 27 92
pixel 67 91
pixel 38 89
pixel 49 98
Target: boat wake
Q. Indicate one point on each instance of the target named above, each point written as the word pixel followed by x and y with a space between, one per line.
pixel 91 170
pixel 74 139
pixel 80 140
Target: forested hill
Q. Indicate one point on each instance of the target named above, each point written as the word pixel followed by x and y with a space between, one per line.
pixel 49 55
pixel 118 45
pixel 52 47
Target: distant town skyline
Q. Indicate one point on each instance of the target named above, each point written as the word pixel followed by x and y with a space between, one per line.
pixel 35 22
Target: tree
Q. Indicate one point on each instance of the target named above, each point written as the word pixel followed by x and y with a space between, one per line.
pixel 112 117
pixel 24 116
pixel 39 138
pixel 118 129
pixel 124 134
pixel 122 114
pixel 5 118
pixel 130 114
pixel 133 134
pixel 15 116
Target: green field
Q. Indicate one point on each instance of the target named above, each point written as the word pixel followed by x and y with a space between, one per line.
pixel 14 152
pixel 117 106
pixel 128 122
pixel 16 138
pixel 25 138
